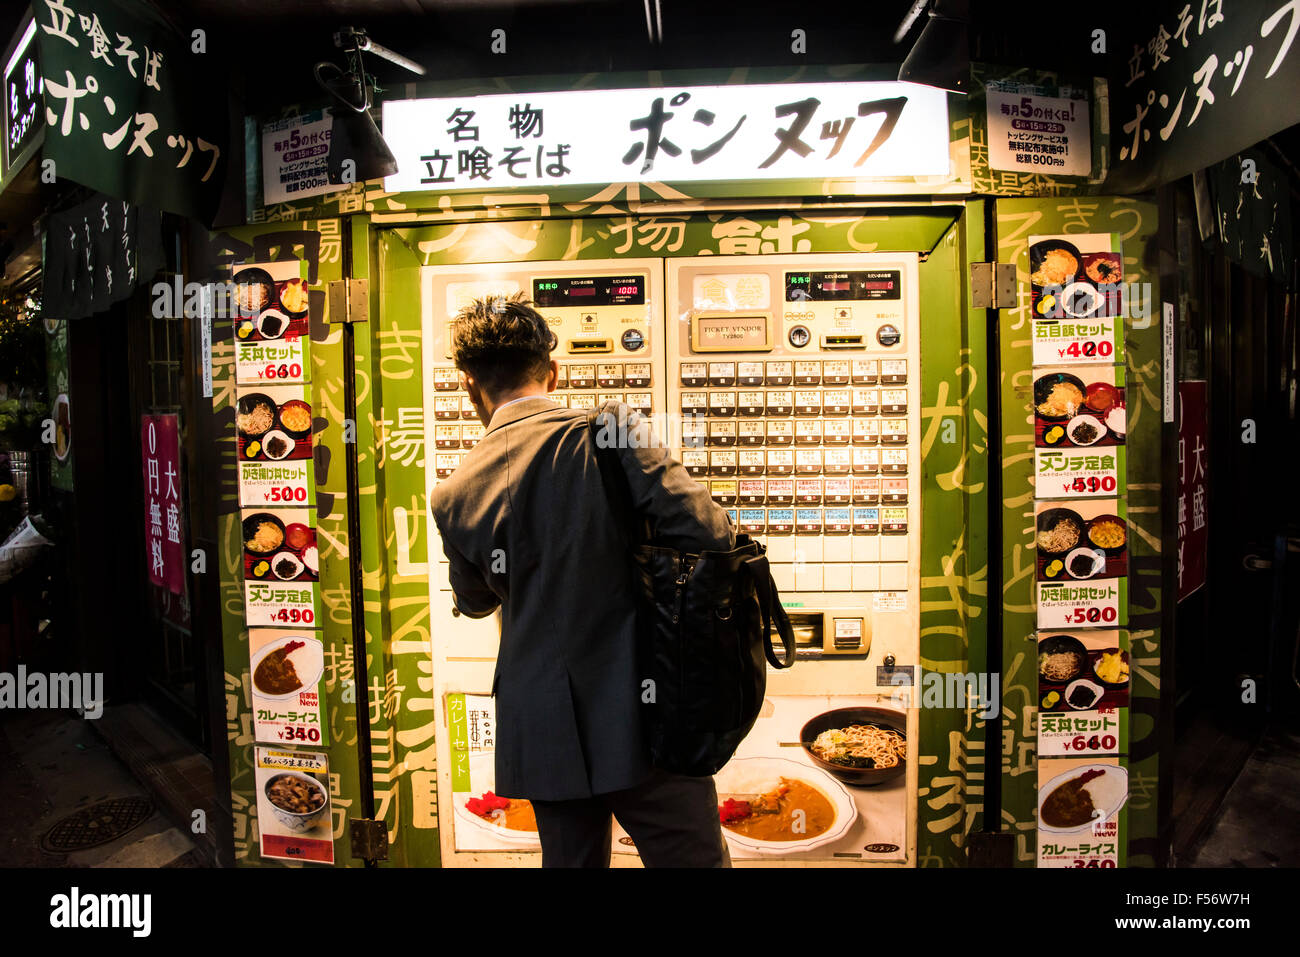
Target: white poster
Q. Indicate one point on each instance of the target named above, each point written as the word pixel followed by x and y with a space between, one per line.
pixel 294 155
pixel 1033 133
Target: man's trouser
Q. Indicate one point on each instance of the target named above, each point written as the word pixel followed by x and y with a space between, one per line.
pixel 673 819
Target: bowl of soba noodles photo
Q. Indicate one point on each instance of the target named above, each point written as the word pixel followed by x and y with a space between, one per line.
pixel 859 746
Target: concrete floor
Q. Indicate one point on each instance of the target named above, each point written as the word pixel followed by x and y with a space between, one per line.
pixel 51 764
pixel 1256 826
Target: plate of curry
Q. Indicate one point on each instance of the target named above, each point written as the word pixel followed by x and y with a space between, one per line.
pixel 509 819
pixel 1081 796
pixel 285 667
pixel 779 806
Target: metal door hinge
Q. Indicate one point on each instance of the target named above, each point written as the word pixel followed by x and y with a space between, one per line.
pixel 992 285
pixel 349 300
pixel 369 839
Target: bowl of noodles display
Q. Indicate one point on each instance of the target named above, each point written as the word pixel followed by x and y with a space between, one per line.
pixel 779 806
pixel 859 746
pixel 507 819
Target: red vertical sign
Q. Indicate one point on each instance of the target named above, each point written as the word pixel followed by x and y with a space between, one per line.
pixel 164 512
pixel 1193 465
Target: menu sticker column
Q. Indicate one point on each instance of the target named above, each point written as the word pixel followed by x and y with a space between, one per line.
pixel 1078 304
pixel 295 819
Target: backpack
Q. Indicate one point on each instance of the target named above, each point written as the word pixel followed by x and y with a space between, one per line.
pixel 704 633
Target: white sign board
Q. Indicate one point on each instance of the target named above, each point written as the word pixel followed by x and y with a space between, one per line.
pixel 294 155
pixel 669 134
pixel 1031 133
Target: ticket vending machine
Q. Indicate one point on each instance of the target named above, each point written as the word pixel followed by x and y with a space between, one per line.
pixel 789 387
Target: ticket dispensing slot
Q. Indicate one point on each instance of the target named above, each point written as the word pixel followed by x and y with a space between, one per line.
pixel 820 635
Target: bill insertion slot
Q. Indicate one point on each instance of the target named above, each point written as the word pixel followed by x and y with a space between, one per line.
pixel 577 346
pixel 838 341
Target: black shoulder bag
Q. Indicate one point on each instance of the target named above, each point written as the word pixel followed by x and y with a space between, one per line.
pixel 705 625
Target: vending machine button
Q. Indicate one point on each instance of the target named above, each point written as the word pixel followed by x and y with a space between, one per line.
pixel 752 462
pixel 751 403
pixel 838 491
pixel 838 521
pixel 695 433
pixel 836 432
pixel 582 377
pixel 722 374
pixel 893 371
pixel 780 432
pixel 467 410
pixel 893 462
pixel 636 375
pixel 694 374
pixel 893 431
pixel 866 461
pixel 609 376
pixel 750 432
pixel 724 493
pixel 866 521
pixel 780 403
pixel 722 462
pixel 893 401
pixel 562 380
pixel 866 401
pixel 808 491
pixel 865 371
pixel 696 462
pixel 722 433
pixel 780 521
pixel 749 373
pixel 447 436
pixel 893 491
pixel 866 491
pixel 837 461
pixel 642 402
pixel 808 432
pixel 606 397
pixel 780 491
pixel 446 380
pixel 835 402
pixel 807 521
pixel 779 373
pixel 808 461
pixel 866 431
pixel 694 403
pixel 470 435
pixel 445 463
pixel 780 462
pixel 722 403
pixel 446 407
pixel 808 372
pixel 893 520
pixel 753 521
pixel 753 491
pixel 836 372
pixel 808 403
pixel 586 401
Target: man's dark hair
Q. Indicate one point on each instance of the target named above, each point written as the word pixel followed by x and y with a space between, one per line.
pixel 503 342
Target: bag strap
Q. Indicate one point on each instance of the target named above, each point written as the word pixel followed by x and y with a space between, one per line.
pixel 769 603
pixel 611 474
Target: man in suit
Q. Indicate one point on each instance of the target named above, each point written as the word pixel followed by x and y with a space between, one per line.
pixel 527 527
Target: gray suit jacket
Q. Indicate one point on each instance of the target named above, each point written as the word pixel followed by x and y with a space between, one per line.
pixel 568 696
